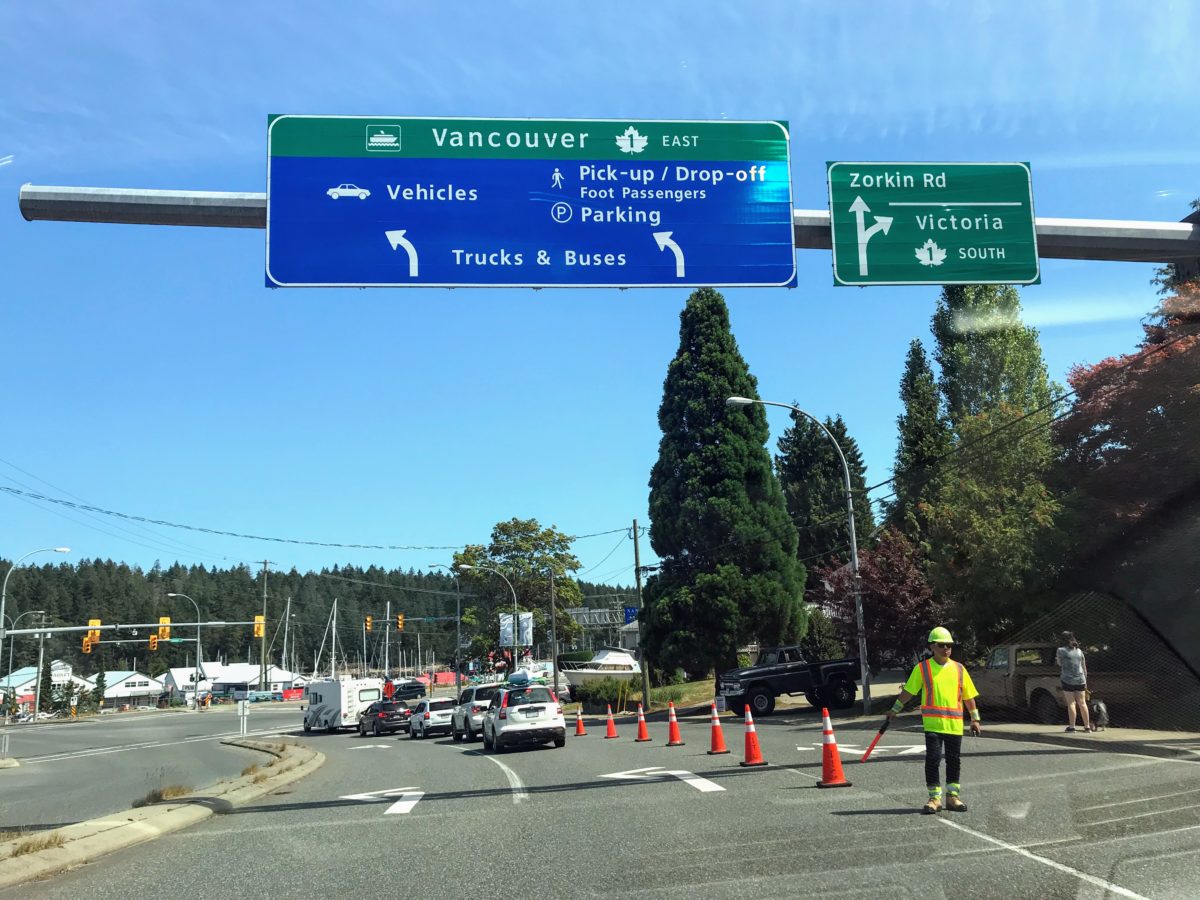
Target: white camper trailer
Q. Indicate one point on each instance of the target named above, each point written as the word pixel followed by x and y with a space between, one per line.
pixel 335 703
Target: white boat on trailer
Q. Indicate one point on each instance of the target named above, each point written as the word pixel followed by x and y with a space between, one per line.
pixel 608 662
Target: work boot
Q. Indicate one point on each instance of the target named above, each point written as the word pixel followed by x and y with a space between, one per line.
pixel 933 806
pixel 954 804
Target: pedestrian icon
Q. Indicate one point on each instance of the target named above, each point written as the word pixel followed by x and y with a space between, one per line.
pixel 556 179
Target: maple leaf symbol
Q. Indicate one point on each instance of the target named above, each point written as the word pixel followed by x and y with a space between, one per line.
pixel 630 141
pixel 930 254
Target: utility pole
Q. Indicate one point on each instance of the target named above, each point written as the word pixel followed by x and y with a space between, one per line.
pixel 37 694
pixel 262 666
pixel 553 633
pixel 387 635
pixel 645 660
pixel 287 618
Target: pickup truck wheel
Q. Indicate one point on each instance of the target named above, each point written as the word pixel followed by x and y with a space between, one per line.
pixel 736 705
pixel 1045 710
pixel 813 700
pixel 839 694
pixel 761 702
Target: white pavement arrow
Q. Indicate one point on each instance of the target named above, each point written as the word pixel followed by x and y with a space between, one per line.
pixel 658 773
pixel 397 239
pixel 882 223
pixel 911 750
pixel 663 239
pixel 372 747
pixel 409 797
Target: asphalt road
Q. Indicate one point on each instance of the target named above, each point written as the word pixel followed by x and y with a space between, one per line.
pixel 73 771
pixel 1045 821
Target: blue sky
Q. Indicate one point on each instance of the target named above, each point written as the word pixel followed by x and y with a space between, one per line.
pixel 147 370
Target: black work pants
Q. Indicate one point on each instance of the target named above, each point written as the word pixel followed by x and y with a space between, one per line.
pixel 934 745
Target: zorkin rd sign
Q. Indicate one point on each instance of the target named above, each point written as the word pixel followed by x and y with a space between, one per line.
pixel 932 223
pixel 385 201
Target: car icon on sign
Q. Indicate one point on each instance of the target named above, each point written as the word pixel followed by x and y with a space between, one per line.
pixel 348 190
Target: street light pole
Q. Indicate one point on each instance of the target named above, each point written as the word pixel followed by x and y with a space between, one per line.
pixel 463 567
pixel 11 644
pixel 4 587
pixel 196 674
pixel 858 610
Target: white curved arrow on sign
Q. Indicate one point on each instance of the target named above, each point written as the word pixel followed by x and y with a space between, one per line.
pixel 397 239
pixel 663 239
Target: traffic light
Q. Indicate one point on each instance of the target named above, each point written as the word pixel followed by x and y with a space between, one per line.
pixel 94 636
pixel 87 644
pixel 368 623
pixel 164 628
pixel 399 621
pixel 154 642
pixel 260 626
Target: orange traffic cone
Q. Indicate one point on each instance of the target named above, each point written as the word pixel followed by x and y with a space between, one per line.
pixel 612 726
pixel 643 732
pixel 673 737
pixel 831 760
pixel 718 739
pixel 754 755
pixel 580 731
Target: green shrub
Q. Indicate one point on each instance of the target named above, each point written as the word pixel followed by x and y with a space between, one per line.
pixel 595 695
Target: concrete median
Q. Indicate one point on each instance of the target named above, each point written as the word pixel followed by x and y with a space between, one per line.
pixel 38 854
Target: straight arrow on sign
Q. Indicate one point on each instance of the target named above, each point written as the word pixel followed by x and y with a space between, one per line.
pixel 658 773
pixel 409 797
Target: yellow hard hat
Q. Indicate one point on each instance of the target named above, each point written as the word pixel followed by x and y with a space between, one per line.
pixel 940 635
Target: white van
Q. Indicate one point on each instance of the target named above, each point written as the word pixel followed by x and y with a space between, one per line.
pixel 336 702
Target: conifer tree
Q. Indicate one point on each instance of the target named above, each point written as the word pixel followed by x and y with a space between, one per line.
pixel 923 443
pixel 729 571
pixel 814 486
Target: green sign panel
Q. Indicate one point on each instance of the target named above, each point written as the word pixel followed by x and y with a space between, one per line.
pixel 932 223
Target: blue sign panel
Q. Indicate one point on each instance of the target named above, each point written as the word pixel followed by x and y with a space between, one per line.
pixel 388 202
pixel 630 614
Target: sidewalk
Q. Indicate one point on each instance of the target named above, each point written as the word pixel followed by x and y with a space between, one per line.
pixel 1165 744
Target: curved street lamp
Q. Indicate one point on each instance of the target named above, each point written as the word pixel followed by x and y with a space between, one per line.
pixel 858 610
pixel 12 623
pixel 196 674
pixel 4 590
pixel 463 567
pixel 457 626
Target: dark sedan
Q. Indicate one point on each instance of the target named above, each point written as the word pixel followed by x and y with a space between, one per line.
pixel 384 716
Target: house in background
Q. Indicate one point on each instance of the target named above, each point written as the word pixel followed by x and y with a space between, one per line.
pixel 179 682
pixel 123 687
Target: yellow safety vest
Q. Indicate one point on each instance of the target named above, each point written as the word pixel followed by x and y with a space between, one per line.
pixel 942 694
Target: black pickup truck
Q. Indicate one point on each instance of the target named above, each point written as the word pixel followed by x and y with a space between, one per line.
pixel 784 670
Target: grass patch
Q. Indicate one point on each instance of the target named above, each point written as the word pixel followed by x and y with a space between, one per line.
pixel 41 842
pixel 688 694
pixel 170 792
pixel 6 836
pixel 260 778
pixel 250 769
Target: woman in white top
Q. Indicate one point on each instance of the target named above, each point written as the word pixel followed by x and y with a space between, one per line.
pixel 1074 680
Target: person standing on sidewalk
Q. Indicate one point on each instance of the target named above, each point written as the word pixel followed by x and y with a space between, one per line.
pixel 945 686
pixel 1074 680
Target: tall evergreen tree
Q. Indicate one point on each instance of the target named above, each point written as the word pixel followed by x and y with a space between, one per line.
pixel 719 524
pixel 814 486
pixel 923 443
pixel 987 357
pixel 46 695
pixel 992 509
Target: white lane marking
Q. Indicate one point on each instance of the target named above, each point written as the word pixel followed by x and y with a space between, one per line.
pixel 805 774
pixel 520 795
pixel 372 747
pixel 658 773
pixel 409 798
pixel 1021 851
pixel 1055 774
pixel 150 745
pixel 1156 798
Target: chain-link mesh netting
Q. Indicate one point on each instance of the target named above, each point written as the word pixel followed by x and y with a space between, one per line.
pixel 1141 680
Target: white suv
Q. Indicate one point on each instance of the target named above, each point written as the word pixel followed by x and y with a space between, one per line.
pixel 467 720
pixel 525 714
pixel 430 716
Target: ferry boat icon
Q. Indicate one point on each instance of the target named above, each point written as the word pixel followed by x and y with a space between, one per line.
pixel 383 137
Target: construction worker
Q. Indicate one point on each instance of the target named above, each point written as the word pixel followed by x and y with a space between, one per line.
pixel 944 686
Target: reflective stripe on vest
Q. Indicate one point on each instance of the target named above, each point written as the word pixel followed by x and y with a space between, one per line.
pixel 940 712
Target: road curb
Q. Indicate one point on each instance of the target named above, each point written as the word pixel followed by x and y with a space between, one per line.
pixel 9 762
pixel 84 842
pixel 1112 745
